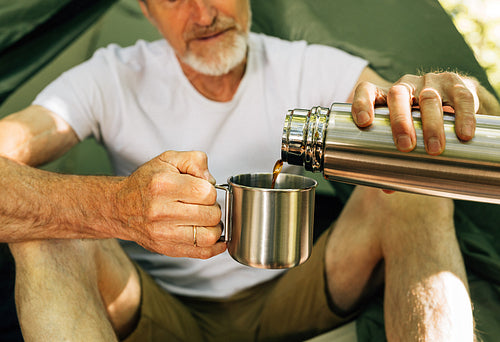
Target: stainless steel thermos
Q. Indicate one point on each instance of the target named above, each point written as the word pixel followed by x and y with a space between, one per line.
pixel 327 140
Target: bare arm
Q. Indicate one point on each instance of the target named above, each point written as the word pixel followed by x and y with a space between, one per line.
pixel 34 203
pixel 35 136
pixel 156 206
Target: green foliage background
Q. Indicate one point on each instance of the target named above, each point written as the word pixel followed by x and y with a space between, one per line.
pixel 479 23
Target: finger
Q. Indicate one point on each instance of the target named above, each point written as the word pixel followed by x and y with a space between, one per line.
pixel 207 252
pixel 461 94
pixel 194 163
pixel 198 236
pixel 465 106
pixel 431 109
pixel 363 101
pixel 207 236
pixel 179 213
pixel 399 101
pixel 185 235
pixel 184 250
pixel 195 252
pixel 184 188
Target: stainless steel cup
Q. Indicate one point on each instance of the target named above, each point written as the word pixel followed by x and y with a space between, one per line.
pixel 269 228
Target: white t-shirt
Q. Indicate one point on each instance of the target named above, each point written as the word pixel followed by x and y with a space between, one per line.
pixel 137 102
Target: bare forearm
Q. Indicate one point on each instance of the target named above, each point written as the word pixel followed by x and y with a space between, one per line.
pixel 156 206
pixel 36 204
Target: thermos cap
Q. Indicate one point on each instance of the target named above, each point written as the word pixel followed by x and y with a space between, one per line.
pixel 303 137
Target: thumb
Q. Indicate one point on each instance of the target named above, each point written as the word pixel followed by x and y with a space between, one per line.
pixel 194 163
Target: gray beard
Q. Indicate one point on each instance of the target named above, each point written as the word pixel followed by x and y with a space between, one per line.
pixel 223 61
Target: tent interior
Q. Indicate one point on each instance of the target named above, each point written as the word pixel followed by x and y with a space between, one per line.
pixel 41 39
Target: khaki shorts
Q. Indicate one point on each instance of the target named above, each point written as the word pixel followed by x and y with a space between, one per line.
pixel 292 307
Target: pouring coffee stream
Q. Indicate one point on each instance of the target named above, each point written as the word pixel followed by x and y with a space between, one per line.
pixel 276 171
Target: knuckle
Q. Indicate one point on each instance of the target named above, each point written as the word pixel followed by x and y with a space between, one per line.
pixel 204 190
pixel 430 76
pixel 213 235
pixel 360 103
pixel 397 90
pixel 167 155
pixel 451 76
pixel 198 156
pixel 155 184
pixel 445 76
pixel 212 216
pixel 159 182
pixel 461 93
pixel 150 212
pixel 408 78
pixel 364 85
pixel 399 121
pixel 429 94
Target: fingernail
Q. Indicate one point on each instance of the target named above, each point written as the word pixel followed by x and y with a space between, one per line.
pixel 433 145
pixel 467 131
pixel 362 118
pixel 404 142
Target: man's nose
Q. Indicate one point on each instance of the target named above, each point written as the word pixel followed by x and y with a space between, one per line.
pixel 203 12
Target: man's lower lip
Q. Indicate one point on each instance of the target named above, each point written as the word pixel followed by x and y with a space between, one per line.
pixel 208 38
pixel 213 36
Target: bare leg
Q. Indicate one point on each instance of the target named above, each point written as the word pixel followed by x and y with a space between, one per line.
pixel 75 290
pixel 410 241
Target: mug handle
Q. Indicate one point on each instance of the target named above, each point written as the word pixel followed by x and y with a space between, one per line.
pixel 226 232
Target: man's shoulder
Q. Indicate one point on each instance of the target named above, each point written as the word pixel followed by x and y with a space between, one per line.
pixel 272 41
pixel 138 53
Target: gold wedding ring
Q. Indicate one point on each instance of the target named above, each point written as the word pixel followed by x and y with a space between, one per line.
pixel 194 236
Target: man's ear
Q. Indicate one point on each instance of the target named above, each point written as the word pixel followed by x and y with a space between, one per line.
pixel 145 11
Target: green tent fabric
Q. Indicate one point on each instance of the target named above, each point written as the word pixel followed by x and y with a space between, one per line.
pixel 396 36
pixel 33 32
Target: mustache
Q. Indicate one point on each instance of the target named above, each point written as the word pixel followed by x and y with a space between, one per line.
pixel 219 24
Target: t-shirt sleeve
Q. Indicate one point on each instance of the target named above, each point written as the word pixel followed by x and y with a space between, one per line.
pixel 329 75
pixel 76 97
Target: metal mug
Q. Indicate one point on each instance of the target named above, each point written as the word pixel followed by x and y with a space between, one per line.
pixel 265 227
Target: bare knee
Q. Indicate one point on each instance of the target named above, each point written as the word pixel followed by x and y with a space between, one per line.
pixel 97 270
pixel 413 221
pixel 375 226
pixel 65 265
pixel 399 217
pixel 54 255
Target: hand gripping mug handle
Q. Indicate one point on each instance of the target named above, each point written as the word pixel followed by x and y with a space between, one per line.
pixel 226 231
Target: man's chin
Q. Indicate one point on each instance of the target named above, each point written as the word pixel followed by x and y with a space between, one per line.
pixel 212 68
pixel 217 60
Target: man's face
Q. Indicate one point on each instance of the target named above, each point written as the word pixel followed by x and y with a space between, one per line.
pixel 208 35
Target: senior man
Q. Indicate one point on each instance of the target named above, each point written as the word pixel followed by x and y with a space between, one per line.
pixel 212 86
